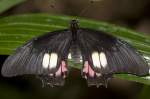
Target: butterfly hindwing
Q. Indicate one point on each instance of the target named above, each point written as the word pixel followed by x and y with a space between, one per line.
pixel 105 55
pixel 44 56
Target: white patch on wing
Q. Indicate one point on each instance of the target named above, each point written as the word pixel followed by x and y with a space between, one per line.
pixel 147 57
pixel 98 74
pixel 81 60
pixel 53 60
pixel 96 60
pixel 45 62
pixel 103 59
pixel 69 56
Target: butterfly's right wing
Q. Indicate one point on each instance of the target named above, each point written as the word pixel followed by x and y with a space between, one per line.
pixel 105 55
pixel 45 56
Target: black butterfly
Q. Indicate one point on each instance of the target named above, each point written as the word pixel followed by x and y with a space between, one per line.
pixel 102 55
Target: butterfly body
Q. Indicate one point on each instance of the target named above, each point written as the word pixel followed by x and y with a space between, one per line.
pixel 75 54
pixel 102 56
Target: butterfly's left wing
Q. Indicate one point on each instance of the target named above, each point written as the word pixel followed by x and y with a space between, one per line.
pixel 44 56
pixel 104 55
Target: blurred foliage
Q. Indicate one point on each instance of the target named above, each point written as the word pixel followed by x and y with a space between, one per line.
pixel 16 30
pixel 6 4
pixel 145 93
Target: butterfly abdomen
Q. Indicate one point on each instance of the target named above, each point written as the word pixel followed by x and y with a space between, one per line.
pixel 75 54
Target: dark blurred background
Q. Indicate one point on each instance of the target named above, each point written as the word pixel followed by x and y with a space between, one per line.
pixel 132 14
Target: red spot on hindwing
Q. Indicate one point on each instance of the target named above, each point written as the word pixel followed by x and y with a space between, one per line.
pixel 87 70
pixel 61 70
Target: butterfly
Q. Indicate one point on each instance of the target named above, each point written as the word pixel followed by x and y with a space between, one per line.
pixel 102 56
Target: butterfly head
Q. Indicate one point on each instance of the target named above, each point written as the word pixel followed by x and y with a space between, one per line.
pixel 73 28
pixel 74 22
pixel 74 25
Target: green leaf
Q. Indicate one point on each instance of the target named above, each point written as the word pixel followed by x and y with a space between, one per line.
pixel 6 4
pixel 16 30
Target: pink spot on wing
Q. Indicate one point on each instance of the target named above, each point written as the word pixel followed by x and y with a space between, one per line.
pixel 85 69
pixel 63 64
pixel 91 72
pixel 88 70
pixel 62 69
pixel 58 73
